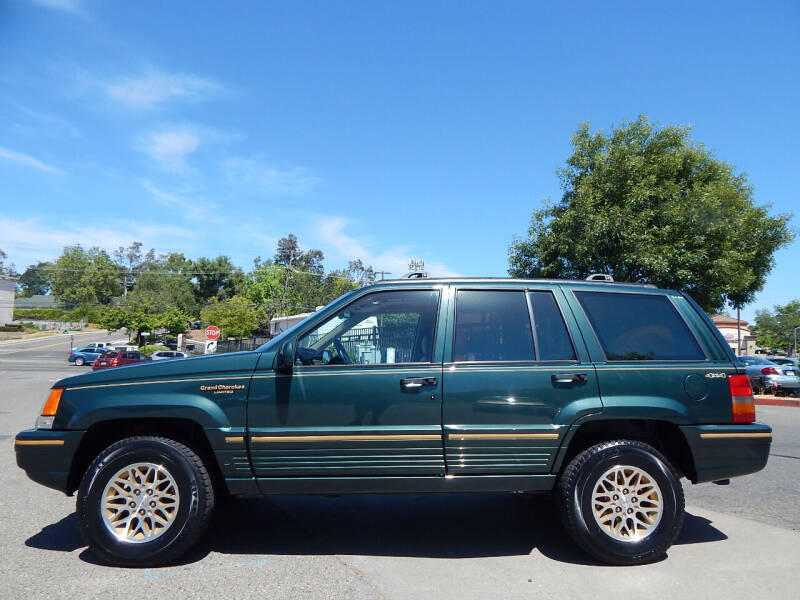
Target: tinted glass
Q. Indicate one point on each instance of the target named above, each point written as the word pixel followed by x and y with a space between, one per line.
pixel 639 327
pixel 552 338
pixel 380 328
pixel 492 326
pixel 109 354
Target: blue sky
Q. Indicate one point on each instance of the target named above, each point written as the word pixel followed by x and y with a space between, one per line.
pixel 379 130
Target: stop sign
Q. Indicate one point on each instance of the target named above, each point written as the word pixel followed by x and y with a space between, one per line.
pixel 212 332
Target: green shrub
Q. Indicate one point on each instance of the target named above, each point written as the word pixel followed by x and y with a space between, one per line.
pixel 11 328
pixel 150 349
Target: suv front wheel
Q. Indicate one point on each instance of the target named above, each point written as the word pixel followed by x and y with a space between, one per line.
pixel 622 502
pixel 144 501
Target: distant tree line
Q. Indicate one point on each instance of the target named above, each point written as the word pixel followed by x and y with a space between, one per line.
pixel 142 291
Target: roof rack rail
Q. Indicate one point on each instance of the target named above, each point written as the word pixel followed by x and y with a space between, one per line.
pixel 600 277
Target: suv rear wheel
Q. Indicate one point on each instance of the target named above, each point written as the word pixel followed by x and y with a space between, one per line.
pixel 622 502
pixel 144 501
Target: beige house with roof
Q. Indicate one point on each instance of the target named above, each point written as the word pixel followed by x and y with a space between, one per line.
pixel 727 327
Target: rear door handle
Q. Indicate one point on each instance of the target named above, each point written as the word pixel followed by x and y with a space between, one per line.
pixel 568 377
pixel 413 383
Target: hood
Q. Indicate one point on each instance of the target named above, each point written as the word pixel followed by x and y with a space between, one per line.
pixel 178 368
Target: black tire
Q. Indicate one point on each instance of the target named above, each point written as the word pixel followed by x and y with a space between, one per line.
pixel 574 496
pixel 79 362
pixel 191 518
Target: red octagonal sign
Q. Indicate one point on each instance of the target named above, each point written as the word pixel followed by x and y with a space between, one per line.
pixel 212 332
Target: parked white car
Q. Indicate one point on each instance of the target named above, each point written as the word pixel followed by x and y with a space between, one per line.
pixel 167 354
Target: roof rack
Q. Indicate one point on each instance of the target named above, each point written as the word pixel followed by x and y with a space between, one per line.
pixel 600 277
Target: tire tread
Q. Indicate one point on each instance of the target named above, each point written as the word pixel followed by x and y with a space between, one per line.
pixel 568 482
pixel 186 539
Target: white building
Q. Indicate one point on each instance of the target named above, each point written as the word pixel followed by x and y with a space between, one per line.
pixel 8 286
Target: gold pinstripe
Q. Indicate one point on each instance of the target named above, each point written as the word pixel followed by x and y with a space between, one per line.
pixel 128 383
pixel 502 436
pixel 734 435
pixel 39 442
pixel 232 439
pixel 336 438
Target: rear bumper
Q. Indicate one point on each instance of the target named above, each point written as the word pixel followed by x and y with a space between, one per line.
pixel 46 456
pixel 724 451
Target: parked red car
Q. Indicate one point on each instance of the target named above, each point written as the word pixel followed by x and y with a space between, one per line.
pixel 112 358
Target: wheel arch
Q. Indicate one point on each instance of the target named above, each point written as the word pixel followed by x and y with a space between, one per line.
pixel 104 433
pixel 664 436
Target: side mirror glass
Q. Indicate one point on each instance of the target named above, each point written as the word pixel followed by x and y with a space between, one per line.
pixel 284 361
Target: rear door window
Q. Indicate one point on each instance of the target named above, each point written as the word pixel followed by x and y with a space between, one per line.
pixel 639 327
pixel 492 326
pixel 551 335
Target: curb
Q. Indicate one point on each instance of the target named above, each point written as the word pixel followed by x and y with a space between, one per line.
pixel 773 401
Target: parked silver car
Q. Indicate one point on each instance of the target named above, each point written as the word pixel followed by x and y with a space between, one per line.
pixel 168 354
pixel 785 361
pixel 768 376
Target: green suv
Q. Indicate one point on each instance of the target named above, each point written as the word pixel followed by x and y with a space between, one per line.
pixel 605 393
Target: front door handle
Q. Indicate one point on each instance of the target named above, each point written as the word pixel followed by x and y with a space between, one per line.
pixel 413 383
pixel 568 377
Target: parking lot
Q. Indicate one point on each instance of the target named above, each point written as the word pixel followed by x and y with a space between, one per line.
pixel 738 541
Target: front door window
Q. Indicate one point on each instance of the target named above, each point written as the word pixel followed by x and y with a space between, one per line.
pixel 394 327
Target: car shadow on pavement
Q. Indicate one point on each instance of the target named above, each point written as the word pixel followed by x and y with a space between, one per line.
pixel 62 536
pixel 430 526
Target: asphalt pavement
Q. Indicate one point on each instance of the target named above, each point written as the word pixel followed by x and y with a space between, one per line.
pixel 738 541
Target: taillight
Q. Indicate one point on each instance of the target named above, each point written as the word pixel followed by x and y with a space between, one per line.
pixel 769 371
pixel 742 402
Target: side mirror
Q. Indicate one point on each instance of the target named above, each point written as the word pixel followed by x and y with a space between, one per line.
pixel 284 360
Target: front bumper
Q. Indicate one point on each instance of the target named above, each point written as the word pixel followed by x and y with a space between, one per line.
pixel 46 456
pixel 724 451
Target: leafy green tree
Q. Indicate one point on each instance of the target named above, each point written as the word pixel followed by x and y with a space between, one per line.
pixel 112 318
pixel 288 253
pixel 264 285
pixel 774 329
pixel 130 261
pixel 359 274
pixel 648 204
pixel 173 320
pixel 216 278
pixel 35 280
pixel 85 276
pixel 165 283
pixel 236 317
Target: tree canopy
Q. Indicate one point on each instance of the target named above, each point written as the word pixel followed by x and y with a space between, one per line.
pixel 35 280
pixel 648 204
pixel 85 276
pixel 774 329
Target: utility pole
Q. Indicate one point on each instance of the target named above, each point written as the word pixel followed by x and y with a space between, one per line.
pixel 286 281
pixel 738 332
pixel 384 273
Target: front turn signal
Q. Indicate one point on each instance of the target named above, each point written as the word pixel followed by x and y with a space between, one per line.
pixel 51 406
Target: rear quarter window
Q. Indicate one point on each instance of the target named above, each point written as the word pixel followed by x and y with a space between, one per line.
pixel 639 327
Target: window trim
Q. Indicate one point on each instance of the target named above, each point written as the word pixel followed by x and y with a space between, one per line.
pixel 683 320
pixel 313 326
pixel 536 360
pixel 561 361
